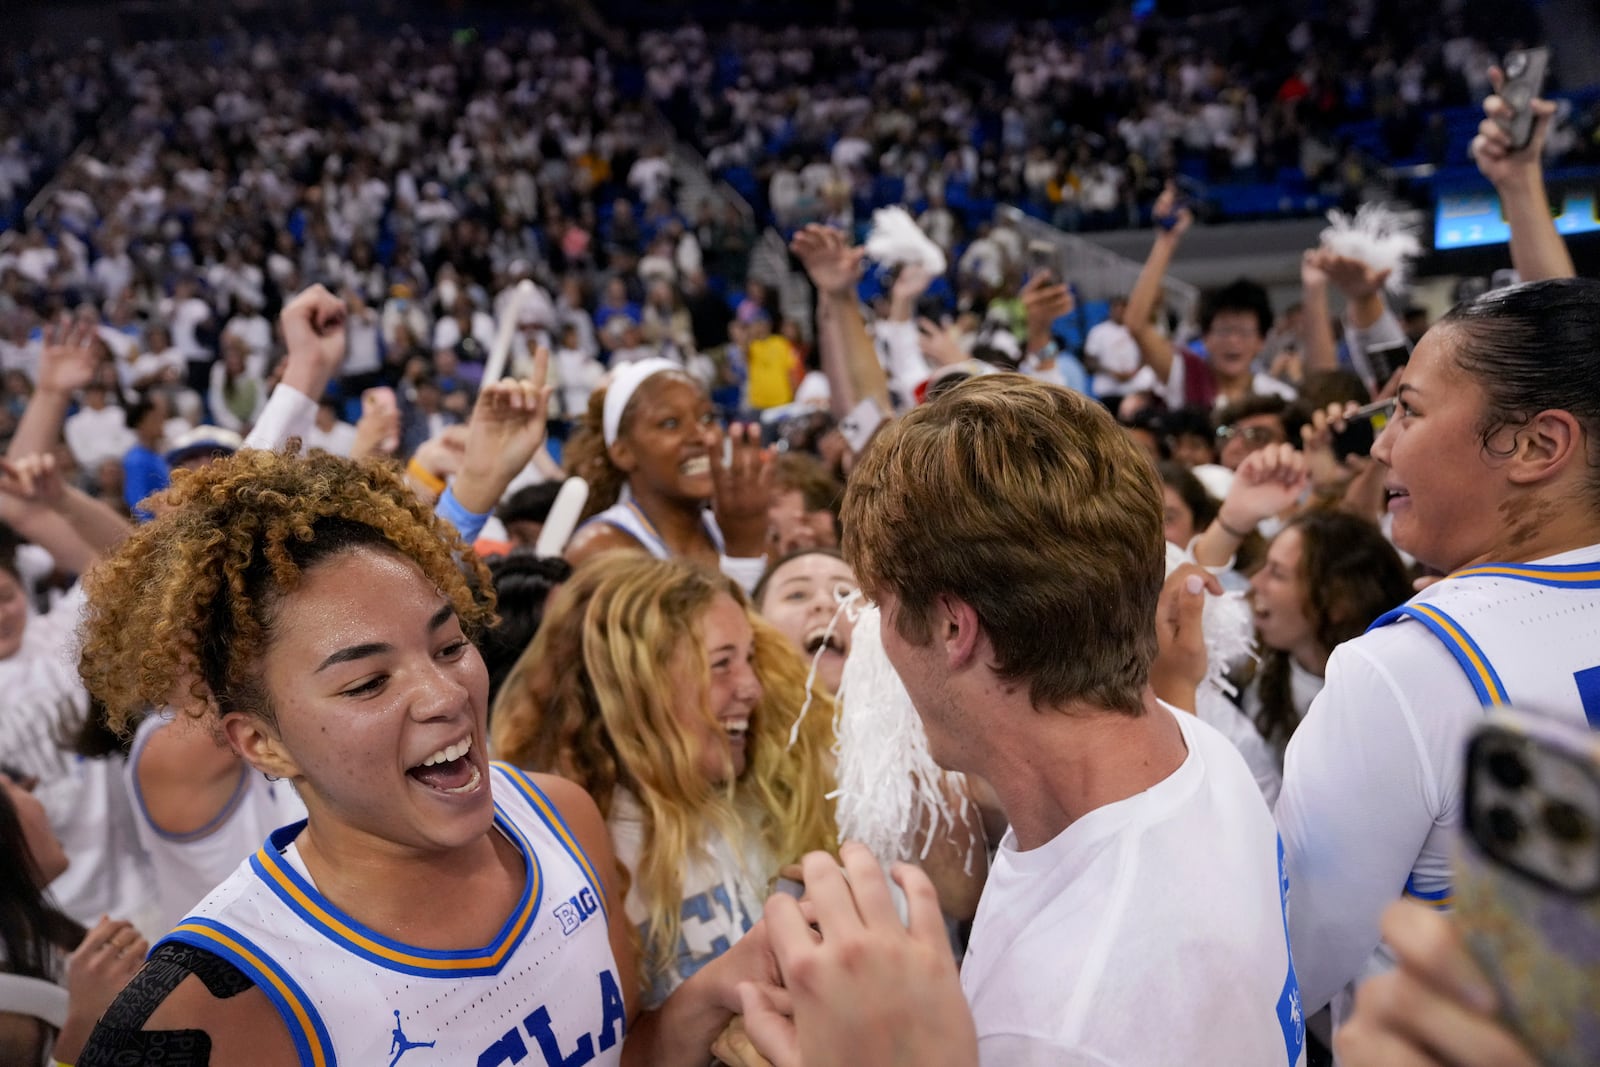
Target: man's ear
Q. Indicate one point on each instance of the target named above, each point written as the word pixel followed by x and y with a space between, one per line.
pixel 956 631
pixel 258 742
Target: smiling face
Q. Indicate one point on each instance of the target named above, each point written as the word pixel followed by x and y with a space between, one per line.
pixel 1278 594
pixel 719 733
pixel 380 705
pixel 1441 487
pixel 801 598
pixel 1233 342
pixel 667 439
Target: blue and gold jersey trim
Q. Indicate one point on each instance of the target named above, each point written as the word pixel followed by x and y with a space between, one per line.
pixel 1564 576
pixel 1480 672
pixel 299 1014
pixel 1438 899
pixel 558 826
pixel 303 899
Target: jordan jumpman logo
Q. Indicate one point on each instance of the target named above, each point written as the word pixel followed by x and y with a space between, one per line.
pixel 401 1045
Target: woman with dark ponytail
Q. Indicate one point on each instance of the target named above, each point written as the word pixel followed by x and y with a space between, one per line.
pixel 1492 477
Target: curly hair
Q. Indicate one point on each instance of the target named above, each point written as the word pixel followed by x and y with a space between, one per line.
pixel 184 610
pixel 594 699
pixel 586 457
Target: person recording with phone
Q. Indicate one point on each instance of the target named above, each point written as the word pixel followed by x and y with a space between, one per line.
pixel 1513 167
pixel 1489 475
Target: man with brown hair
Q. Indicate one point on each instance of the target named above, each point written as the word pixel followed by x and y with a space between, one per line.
pixel 1011 534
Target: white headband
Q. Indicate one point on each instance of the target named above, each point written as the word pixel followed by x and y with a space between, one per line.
pixel 625 381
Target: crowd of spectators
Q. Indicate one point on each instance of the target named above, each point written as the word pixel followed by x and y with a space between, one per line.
pixel 1080 124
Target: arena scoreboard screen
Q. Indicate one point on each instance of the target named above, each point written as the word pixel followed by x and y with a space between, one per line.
pixel 1471 218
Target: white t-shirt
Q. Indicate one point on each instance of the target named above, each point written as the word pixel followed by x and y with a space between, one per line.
pixel 1114 349
pixel 1150 931
pixel 336 441
pixel 722 897
pixel 97 436
pixel 1372 784
pixel 84 798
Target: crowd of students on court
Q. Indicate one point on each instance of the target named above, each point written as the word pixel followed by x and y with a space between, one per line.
pixel 280 788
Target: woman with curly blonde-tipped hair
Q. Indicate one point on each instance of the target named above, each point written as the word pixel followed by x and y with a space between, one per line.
pixel 654 686
pixel 316 615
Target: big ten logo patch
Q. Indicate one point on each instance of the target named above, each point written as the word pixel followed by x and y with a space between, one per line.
pixel 576 910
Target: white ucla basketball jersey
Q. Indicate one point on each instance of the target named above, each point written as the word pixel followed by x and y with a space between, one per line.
pixel 1525 634
pixel 185 867
pixel 627 517
pixel 544 993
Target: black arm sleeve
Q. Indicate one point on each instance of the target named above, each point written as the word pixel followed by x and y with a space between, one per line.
pixel 119 1039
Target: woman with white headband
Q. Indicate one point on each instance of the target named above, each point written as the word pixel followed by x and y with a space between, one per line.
pixel 654 456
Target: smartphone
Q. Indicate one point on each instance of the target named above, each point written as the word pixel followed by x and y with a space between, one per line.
pixel 1527 879
pixel 1525 70
pixel 1042 258
pixel 1361 429
pixel 1386 359
pixel 860 424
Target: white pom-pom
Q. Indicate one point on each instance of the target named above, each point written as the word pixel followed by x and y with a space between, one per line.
pixel 1230 637
pixel 889 785
pixel 1228 627
pixel 1382 237
pixel 897 239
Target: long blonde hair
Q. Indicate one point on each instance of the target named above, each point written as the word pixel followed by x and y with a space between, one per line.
pixel 594 698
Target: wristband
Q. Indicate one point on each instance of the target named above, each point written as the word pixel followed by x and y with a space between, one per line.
pixel 1230 531
pixel 430 481
pixel 469 524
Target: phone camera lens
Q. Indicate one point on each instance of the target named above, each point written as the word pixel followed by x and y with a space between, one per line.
pixel 1503 826
pixel 1565 822
pixel 1508 769
pixel 1516 65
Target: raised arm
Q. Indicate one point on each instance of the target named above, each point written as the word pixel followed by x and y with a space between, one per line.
pixel 1154 347
pixel 506 430
pixel 849 358
pixel 1537 250
pixel 1317 341
pixel 72 526
pixel 65 365
pixel 313 332
pixel 1268 482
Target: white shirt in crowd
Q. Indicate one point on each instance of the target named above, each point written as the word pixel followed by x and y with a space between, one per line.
pixel 577 375
pixel 97 436
pixel 722 897
pixel 1113 348
pixel 186 317
pixel 84 798
pixel 1150 931
pixel 254 330
pixel 336 440
pixel 362 355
